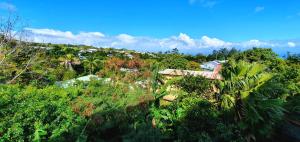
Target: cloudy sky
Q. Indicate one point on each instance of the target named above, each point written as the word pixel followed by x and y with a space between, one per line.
pixel 192 26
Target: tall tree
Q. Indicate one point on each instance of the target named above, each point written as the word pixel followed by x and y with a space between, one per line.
pixel 92 62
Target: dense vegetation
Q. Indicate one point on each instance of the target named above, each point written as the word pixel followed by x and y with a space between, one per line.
pixel 257 100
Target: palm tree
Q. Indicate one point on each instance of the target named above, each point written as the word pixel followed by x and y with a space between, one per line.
pixel 238 94
pixel 92 62
pixel 68 61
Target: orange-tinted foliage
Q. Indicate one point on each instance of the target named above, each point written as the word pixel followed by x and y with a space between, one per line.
pixel 83 108
pixel 135 63
pixel 114 63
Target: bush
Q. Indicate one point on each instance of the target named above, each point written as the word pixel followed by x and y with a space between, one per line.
pixel 69 74
pixel 191 65
pixel 192 84
pixel 175 61
pixel 189 119
pixel 32 114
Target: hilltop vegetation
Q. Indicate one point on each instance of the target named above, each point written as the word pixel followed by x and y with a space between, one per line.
pixel 257 99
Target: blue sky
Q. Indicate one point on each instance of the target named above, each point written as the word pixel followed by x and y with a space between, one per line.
pixel 190 25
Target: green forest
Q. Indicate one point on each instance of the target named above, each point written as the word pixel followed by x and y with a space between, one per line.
pixel 61 92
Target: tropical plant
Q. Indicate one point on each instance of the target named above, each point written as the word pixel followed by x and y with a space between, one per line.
pixel 255 112
pixel 92 62
pixel 68 60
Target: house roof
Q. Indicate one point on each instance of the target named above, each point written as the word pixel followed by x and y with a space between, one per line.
pixel 128 70
pixel 206 74
pixel 71 82
pixel 211 65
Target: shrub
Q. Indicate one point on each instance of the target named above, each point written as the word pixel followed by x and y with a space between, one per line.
pixel 191 65
pixel 175 61
pixel 32 114
pixel 192 84
pixel 69 74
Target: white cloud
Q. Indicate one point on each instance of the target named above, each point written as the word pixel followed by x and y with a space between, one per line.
pixel 214 42
pixel 126 38
pixel 188 40
pixel 259 9
pixel 50 32
pixel 7 6
pixel 183 41
pixel 56 36
pixel 291 44
pixel 256 43
pixel 91 34
pixel 204 3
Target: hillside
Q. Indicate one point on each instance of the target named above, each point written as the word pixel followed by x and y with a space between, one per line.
pixel 52 92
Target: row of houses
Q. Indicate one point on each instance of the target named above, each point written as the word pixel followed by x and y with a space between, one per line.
pixel 211 70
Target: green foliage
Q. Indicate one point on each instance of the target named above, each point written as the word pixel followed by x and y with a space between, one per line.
pixel 253 110
pixel 193 118
pixel 32 114
pixel 284 83
pixel 258 92
pixel 92 63
pixel 293 107
pixel 69 74
pixel 192 84
pixel 222 54
pixel 174 61
pixel 294 58
pixel 191 65
pixel 261 55
pixel 117 113
pixel 75 113
pixel 199 111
